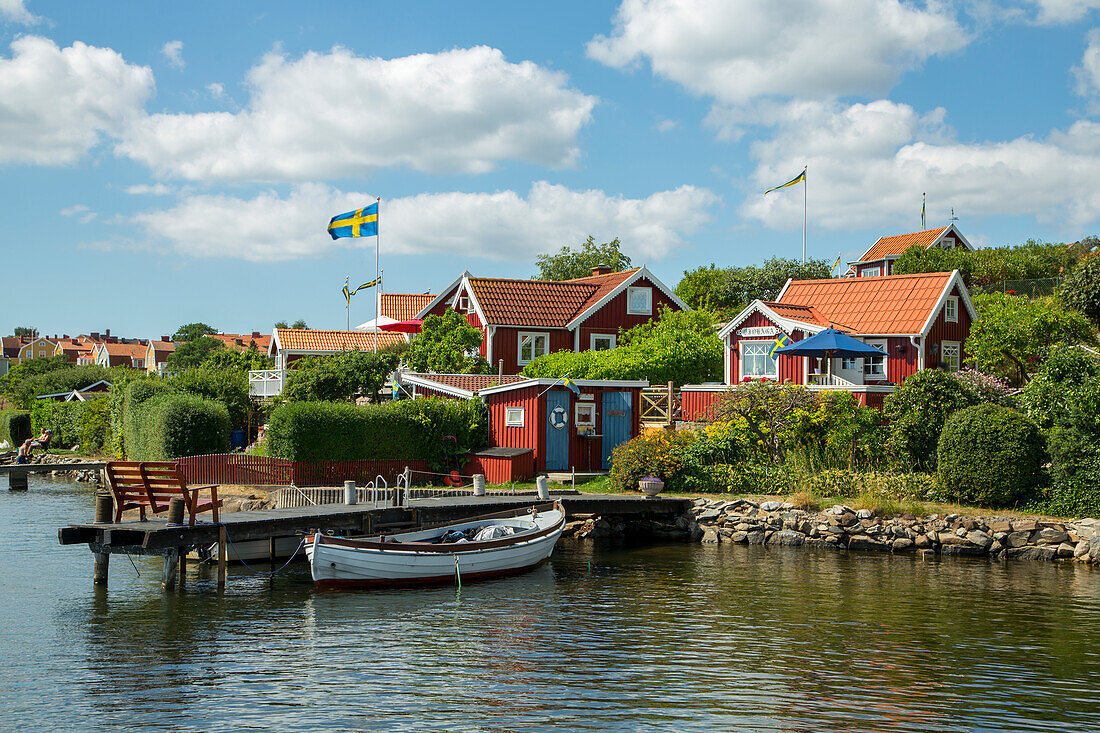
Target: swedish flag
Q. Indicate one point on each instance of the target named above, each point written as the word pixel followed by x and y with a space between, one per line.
pixel 835 265
pixel 347 291
pixel 359 223
pixel 800 178
pixel 570 385
pixel 780 341
pixel 371 284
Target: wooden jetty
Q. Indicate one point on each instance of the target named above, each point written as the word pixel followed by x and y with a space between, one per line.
pixel 18 472
pixel 171 539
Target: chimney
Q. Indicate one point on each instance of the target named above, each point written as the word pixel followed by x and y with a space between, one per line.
pixel 94 335
pixel 164 338
pixel 255 334
pixel 601 270
pixel 108 332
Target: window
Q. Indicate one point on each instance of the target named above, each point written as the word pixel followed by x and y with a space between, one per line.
pixel 463 304
pixel 952 354
pixel 513 417
pixel 586 415
pixel 871 272
pixel 139 363
pixel 532 345
pixel 755 360
pixel 951 310
pixel 639 301
pixel 851 363
pixel 948 243
pixel 874 367
pixel 602 342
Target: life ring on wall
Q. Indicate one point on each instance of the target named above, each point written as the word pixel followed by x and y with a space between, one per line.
pixel 559 418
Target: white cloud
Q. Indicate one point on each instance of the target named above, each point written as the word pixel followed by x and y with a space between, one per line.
pixel 16 12
pixel 173 51
pixel 1058 12
pixel 501 225
pixel 216 90
pixel 55 103
pixel 155 189
pixel 73 210
pixel 740 50
pixel 1088 73
pixel 666 125
pixel 335 114
pixel 870 163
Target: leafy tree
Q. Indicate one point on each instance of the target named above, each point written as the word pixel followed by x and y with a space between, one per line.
pixel 1014 334
pixel 298 325
pixel 681 347
pixel 1081 290
pixel 25 331
pixel 193 331
pixel 731 289
pixel 227 386
pixel 917 411
pixel 570 264
pixel 247 360
pixel 769 409
pixel 24 370
pixel 340 377
pixel 192 354
pixel 447 344
pixel 1063 392
pixel 992 265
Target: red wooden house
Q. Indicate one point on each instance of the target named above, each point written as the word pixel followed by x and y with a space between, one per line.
pixel 879 258
pixel 524 319
pixel 565 431
pixel 920 321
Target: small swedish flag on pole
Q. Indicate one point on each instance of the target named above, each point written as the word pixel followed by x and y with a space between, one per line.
pixel 780 341
pixel 800 178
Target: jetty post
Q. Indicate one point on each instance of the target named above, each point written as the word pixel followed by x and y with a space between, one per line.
pixel 101 563
pixel 174 557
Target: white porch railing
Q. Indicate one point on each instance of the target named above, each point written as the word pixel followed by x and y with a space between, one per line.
pixel 831 380
pixel 266 382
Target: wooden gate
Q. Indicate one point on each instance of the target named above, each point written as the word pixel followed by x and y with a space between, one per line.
pixel 660 405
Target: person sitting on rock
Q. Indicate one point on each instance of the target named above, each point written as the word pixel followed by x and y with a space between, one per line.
pixel 43 439
pixel 24 453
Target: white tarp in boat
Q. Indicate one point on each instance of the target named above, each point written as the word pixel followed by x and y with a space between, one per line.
pixel 492 532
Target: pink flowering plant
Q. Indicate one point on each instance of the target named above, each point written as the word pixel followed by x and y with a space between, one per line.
pixel 984 387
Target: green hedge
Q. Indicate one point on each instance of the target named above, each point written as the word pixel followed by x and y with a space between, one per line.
pixel 411 429
pixel 83 423
pixel 175 424
pixel 15 427
pixel 990 456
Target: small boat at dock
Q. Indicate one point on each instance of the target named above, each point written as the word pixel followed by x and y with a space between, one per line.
pixel 482 547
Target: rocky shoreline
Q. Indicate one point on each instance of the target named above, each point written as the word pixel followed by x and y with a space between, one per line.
pixel 841 527
pixel 49 459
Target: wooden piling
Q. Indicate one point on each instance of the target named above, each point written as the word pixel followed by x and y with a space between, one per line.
pixel 101 561
pixel 172 559
pixel 223 540
pixel 271 553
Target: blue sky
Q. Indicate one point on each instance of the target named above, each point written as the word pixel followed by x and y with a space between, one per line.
pixel 167 163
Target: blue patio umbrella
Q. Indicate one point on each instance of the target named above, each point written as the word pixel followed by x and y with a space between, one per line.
pixel 830 343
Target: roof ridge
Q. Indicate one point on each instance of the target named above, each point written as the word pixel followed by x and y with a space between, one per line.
pixel 524 280
pixel 910 234
pixel 877 277
pixel 593 277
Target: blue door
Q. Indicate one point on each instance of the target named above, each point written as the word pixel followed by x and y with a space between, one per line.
pixel 557 430
pixel 616 423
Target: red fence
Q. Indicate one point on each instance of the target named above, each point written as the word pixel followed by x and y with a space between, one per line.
pixel 238 468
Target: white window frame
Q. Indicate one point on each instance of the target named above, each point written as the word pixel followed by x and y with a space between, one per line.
pixel 951 309
pixel 609 336
pixel 589 410
pixel 757 345
pixel 870 362
pixel 532 337
pixel 948 243
pixel 139 363
pixel 871 272
pixel 956 347
pixel 851 363
pixel 463 304
pixel 514 417
pixel 639 311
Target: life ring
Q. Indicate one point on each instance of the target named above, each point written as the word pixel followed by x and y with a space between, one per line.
pixel 559 418
pixel 454 478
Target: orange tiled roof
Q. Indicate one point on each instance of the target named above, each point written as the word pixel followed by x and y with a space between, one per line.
pixel 230 340
pixel 404 306
pixel 471 382
pixel 166 347
pixel 806 314
pixel 298 339
pixel 872 305
pixel 546 303
pixel 897 244
pixel 131 350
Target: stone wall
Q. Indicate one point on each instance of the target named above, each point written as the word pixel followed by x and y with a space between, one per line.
pixel 841 527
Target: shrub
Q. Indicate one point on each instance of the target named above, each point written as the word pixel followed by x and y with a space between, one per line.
pixel 984 387
pixel 412 429
pixel 176 424
pixel 917 411
pixel 83 423
pixel 227 386
pixel 658 453
pixel 1074 475
pixel 1081 290
pixel 64 379
pixel 128 438
pixel 990 456
pixel 15 427
pixel 339 377
pixel 1062 390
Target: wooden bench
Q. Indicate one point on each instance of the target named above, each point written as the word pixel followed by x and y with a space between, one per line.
pixel 141 484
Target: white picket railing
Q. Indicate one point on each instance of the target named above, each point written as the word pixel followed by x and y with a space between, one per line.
pixel 266 382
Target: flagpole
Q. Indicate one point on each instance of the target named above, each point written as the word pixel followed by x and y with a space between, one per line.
pixel 804 198
pixel 347 299
pixel 377 272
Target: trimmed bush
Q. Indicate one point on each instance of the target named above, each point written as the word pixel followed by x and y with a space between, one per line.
pixel 73 422
pixel 15 427
pixel 1075 475
pixel 176 424
pixel 989 456
pixel 917 411
pixel 411 429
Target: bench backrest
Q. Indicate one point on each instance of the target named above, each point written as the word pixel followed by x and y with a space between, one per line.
pixel 155 482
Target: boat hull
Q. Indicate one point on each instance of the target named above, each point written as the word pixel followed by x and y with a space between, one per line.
pixel 339 563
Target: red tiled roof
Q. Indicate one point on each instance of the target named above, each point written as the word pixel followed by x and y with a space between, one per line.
pixel 872 305
pixel 231 339
pixel 546 303
pixel 804 313
pixel 300 339
pixel 11 346
pixel 166 347
pixel 132 350
pixel 404 306
pixel 470 382
pixel 897 244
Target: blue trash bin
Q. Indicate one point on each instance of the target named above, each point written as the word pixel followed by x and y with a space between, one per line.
pixel 237 439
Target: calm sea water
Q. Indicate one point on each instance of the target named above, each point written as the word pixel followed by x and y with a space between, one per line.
pixel 673 637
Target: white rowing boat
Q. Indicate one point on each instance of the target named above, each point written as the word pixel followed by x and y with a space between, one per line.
pixel 483 547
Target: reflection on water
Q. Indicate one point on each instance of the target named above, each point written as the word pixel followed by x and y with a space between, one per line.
pixel 671 637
